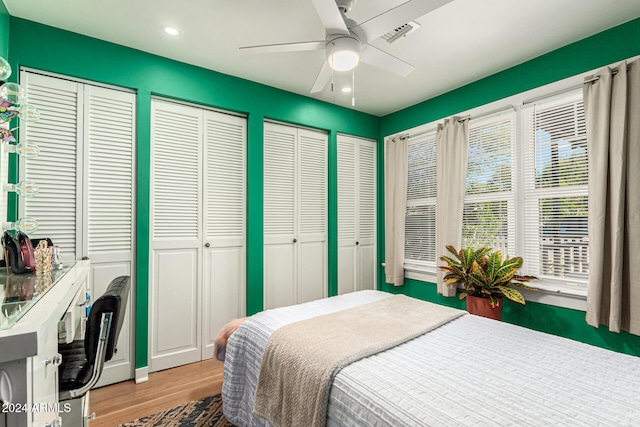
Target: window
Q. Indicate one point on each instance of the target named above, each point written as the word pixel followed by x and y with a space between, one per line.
pixel 555 191
pixel 420 226
pixel 526 190
pixel 489 211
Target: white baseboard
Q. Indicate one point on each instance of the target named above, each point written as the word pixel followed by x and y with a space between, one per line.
pixel 142 375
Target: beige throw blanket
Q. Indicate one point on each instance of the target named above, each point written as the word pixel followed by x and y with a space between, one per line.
pixel 302 358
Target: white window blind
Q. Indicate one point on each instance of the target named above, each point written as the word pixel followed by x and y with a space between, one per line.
pixel 556 174
pixel 489 207
pixel 420 225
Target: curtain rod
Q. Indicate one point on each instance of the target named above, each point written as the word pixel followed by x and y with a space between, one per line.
pixel 595 79
pixel 405 136
pixel 487 114
pixel 401 137
pixel 553 94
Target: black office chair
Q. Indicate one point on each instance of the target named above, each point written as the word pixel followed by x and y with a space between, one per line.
pixel 83 360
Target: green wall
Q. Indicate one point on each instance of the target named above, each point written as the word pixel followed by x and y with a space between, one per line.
pixel 4 31
pixel 51 49
pixel 604 48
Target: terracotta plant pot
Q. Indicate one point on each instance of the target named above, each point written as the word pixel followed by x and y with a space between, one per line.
pixel 482 307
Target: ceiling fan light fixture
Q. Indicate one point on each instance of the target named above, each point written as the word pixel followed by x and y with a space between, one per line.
pixel 343 53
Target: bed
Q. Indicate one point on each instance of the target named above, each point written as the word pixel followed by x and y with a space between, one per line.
pixel 470 371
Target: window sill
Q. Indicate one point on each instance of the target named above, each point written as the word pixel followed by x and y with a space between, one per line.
pixel 418 272
pixel 424 273
pixel 575 299
pixel 547 293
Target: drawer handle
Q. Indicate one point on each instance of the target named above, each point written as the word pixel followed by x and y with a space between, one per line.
pixel 87 300
pixel 55 360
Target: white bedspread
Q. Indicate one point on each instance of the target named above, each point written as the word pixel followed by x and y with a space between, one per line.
pixel 502 375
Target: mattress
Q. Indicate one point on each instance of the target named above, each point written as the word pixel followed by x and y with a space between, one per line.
pixel 471 371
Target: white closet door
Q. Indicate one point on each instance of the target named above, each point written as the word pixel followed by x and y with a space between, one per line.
pixel 347 214
pixel 356 214
pixel 86 176
pixel 366 166
pixel 109 137
pixel 58 168
pixel 312 218
pixel 280 212
pixel 224 224
pixel 176 144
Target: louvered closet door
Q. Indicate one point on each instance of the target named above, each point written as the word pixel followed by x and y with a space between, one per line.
pixel 109 182
pixel 176 144
pixel 356 214
pixel 366 264
pixel 280 213
pixel 224 224
pixel 312 215
pixel 347 214
pixel 58 168
pixel 86 176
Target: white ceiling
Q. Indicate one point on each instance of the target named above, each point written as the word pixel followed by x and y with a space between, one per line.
pixel 459 43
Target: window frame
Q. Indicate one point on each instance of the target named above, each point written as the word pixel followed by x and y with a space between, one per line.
pixel 530 193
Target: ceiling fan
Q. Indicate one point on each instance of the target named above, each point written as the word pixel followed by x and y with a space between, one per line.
pixel 347 43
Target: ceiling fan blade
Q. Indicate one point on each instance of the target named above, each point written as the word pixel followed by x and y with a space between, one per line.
pixel 378 58
pixel 331 17
pixel 394 18
pixel 285 47
pixel 323 77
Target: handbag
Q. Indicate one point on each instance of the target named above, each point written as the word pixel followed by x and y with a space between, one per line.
pixel 28 253
pixel 14 254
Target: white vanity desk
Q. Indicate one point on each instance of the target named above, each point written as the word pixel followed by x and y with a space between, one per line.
pixel 29 356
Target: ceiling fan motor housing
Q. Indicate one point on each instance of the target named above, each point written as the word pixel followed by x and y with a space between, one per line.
pixel 345 5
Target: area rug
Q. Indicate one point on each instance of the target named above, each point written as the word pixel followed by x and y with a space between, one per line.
pixel 199 413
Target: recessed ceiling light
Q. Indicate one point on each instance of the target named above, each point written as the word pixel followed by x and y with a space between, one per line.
pixel 171 31
pixel 346 89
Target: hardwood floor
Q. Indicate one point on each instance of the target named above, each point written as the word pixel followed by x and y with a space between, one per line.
pixel 118 403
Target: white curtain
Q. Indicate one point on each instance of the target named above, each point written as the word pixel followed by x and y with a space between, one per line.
pixel 395 206
pixel 452 148
pixel 612 110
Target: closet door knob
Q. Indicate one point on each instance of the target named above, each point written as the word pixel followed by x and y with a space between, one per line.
pixel 357 243
pixel 207 245
pixel 295 240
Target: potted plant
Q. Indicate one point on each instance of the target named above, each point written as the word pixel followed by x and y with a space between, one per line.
pixel 486 278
